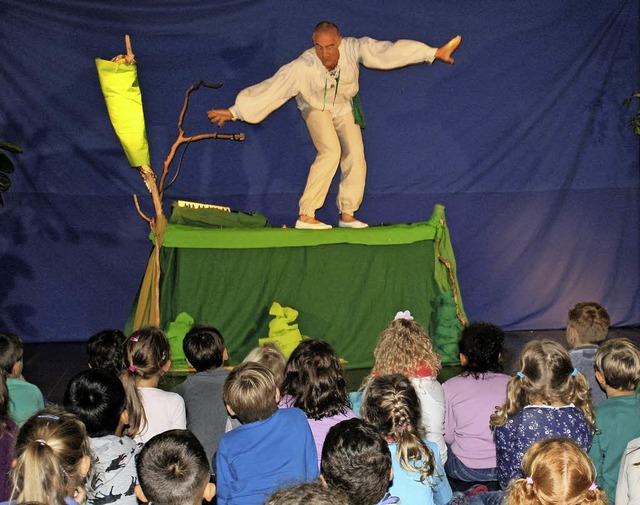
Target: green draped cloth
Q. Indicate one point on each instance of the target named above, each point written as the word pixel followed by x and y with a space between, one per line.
pixel 346 284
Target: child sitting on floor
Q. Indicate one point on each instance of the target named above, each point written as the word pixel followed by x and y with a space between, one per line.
pixel 51 459
pixel 314 381
pixel 391 404
pixel 8 432
pixel 271 357
pixel 471 398
pixel 151 410
pixel 404 347
pixel 547 398
pixel 105 349
pixel 356 460
pixel 272 449
pixel 24 398
pixel 557 471
pixel 587 328
pixel 173 470
pixel 618 417
pixel 97 397
pixel 202 392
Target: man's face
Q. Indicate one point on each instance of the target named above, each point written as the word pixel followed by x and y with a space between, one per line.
pixel 327 45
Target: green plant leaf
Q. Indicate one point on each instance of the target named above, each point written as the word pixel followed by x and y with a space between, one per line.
pixel 6 165
pixel 5 182
pixel 11 147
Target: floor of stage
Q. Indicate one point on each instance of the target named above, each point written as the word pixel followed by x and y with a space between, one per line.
pixel 50 366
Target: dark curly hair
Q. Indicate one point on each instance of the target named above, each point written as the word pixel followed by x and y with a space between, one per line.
pixel 315 379
pixel 481 343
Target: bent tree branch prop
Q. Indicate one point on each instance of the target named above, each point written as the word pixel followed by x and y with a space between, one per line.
pixel 119 83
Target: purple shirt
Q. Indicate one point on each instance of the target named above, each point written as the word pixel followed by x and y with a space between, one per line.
pixel 469 405
pixel 319 427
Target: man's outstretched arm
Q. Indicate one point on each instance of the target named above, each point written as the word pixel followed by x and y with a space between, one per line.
pixel 444 53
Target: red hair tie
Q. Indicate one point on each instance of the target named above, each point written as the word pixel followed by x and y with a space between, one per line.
pixel 132 368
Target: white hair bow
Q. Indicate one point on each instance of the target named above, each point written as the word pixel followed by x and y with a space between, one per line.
pixel 404 315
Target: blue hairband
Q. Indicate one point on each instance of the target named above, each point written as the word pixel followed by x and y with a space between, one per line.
pixel 520 374
pixel 574 373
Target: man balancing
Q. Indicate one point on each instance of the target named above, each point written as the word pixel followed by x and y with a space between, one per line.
pixel 324 81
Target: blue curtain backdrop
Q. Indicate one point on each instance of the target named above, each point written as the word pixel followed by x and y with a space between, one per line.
pixel 525 141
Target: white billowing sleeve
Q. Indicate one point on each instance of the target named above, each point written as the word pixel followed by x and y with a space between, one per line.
pixel 256 102
pixel 384 55
pixel 432 403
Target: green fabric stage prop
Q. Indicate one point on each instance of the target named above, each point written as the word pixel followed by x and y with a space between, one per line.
pixel 347 285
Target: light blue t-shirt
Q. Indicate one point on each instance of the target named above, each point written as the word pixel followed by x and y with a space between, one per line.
pixel 434 490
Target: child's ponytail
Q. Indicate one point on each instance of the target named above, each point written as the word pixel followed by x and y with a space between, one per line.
pixel 51 458
pixel 392 405
pixel 546 375
pixel 146 351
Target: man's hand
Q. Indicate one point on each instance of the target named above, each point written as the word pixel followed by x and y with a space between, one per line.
pixel 220 116
pixel 444 53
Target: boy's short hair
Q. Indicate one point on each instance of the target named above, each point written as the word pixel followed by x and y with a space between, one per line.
pixel 591 321
pixel 105 349
pixel 203 346
pixel 11 351
pixel 97 397
pixel 250 391
pixel 311 493
pixel 356 460
pixel 618 360
pixel 173 468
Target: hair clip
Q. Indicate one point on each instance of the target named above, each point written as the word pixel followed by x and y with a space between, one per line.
pixel 40 441
pixel 404 315
pixel 49 416
pixel 132 368
pixel 520 374
pixel 593 486
pixel 403 426
pixel 133 339
pixel 574 373
pixel 529 481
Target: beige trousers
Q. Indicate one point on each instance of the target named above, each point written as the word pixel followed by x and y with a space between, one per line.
pixel 338 142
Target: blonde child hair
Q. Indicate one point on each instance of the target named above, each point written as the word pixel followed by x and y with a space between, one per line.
pixel 51 458
pixel 590 320
pixel 146 355
pixel 391 404
pixel 404 347
pixel 546 376
pixel 271 357
pixel 557 471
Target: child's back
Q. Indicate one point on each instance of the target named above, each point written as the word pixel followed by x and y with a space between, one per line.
pixel 391 404
pixel 97 397
pixel 471 398
pixel 618 417
pixel 202 392
pixel 273 449
pixel 314 381
pixel 151 410
pixel 24 398
pixel 8 431
pixel 548 398
pixel 587 328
